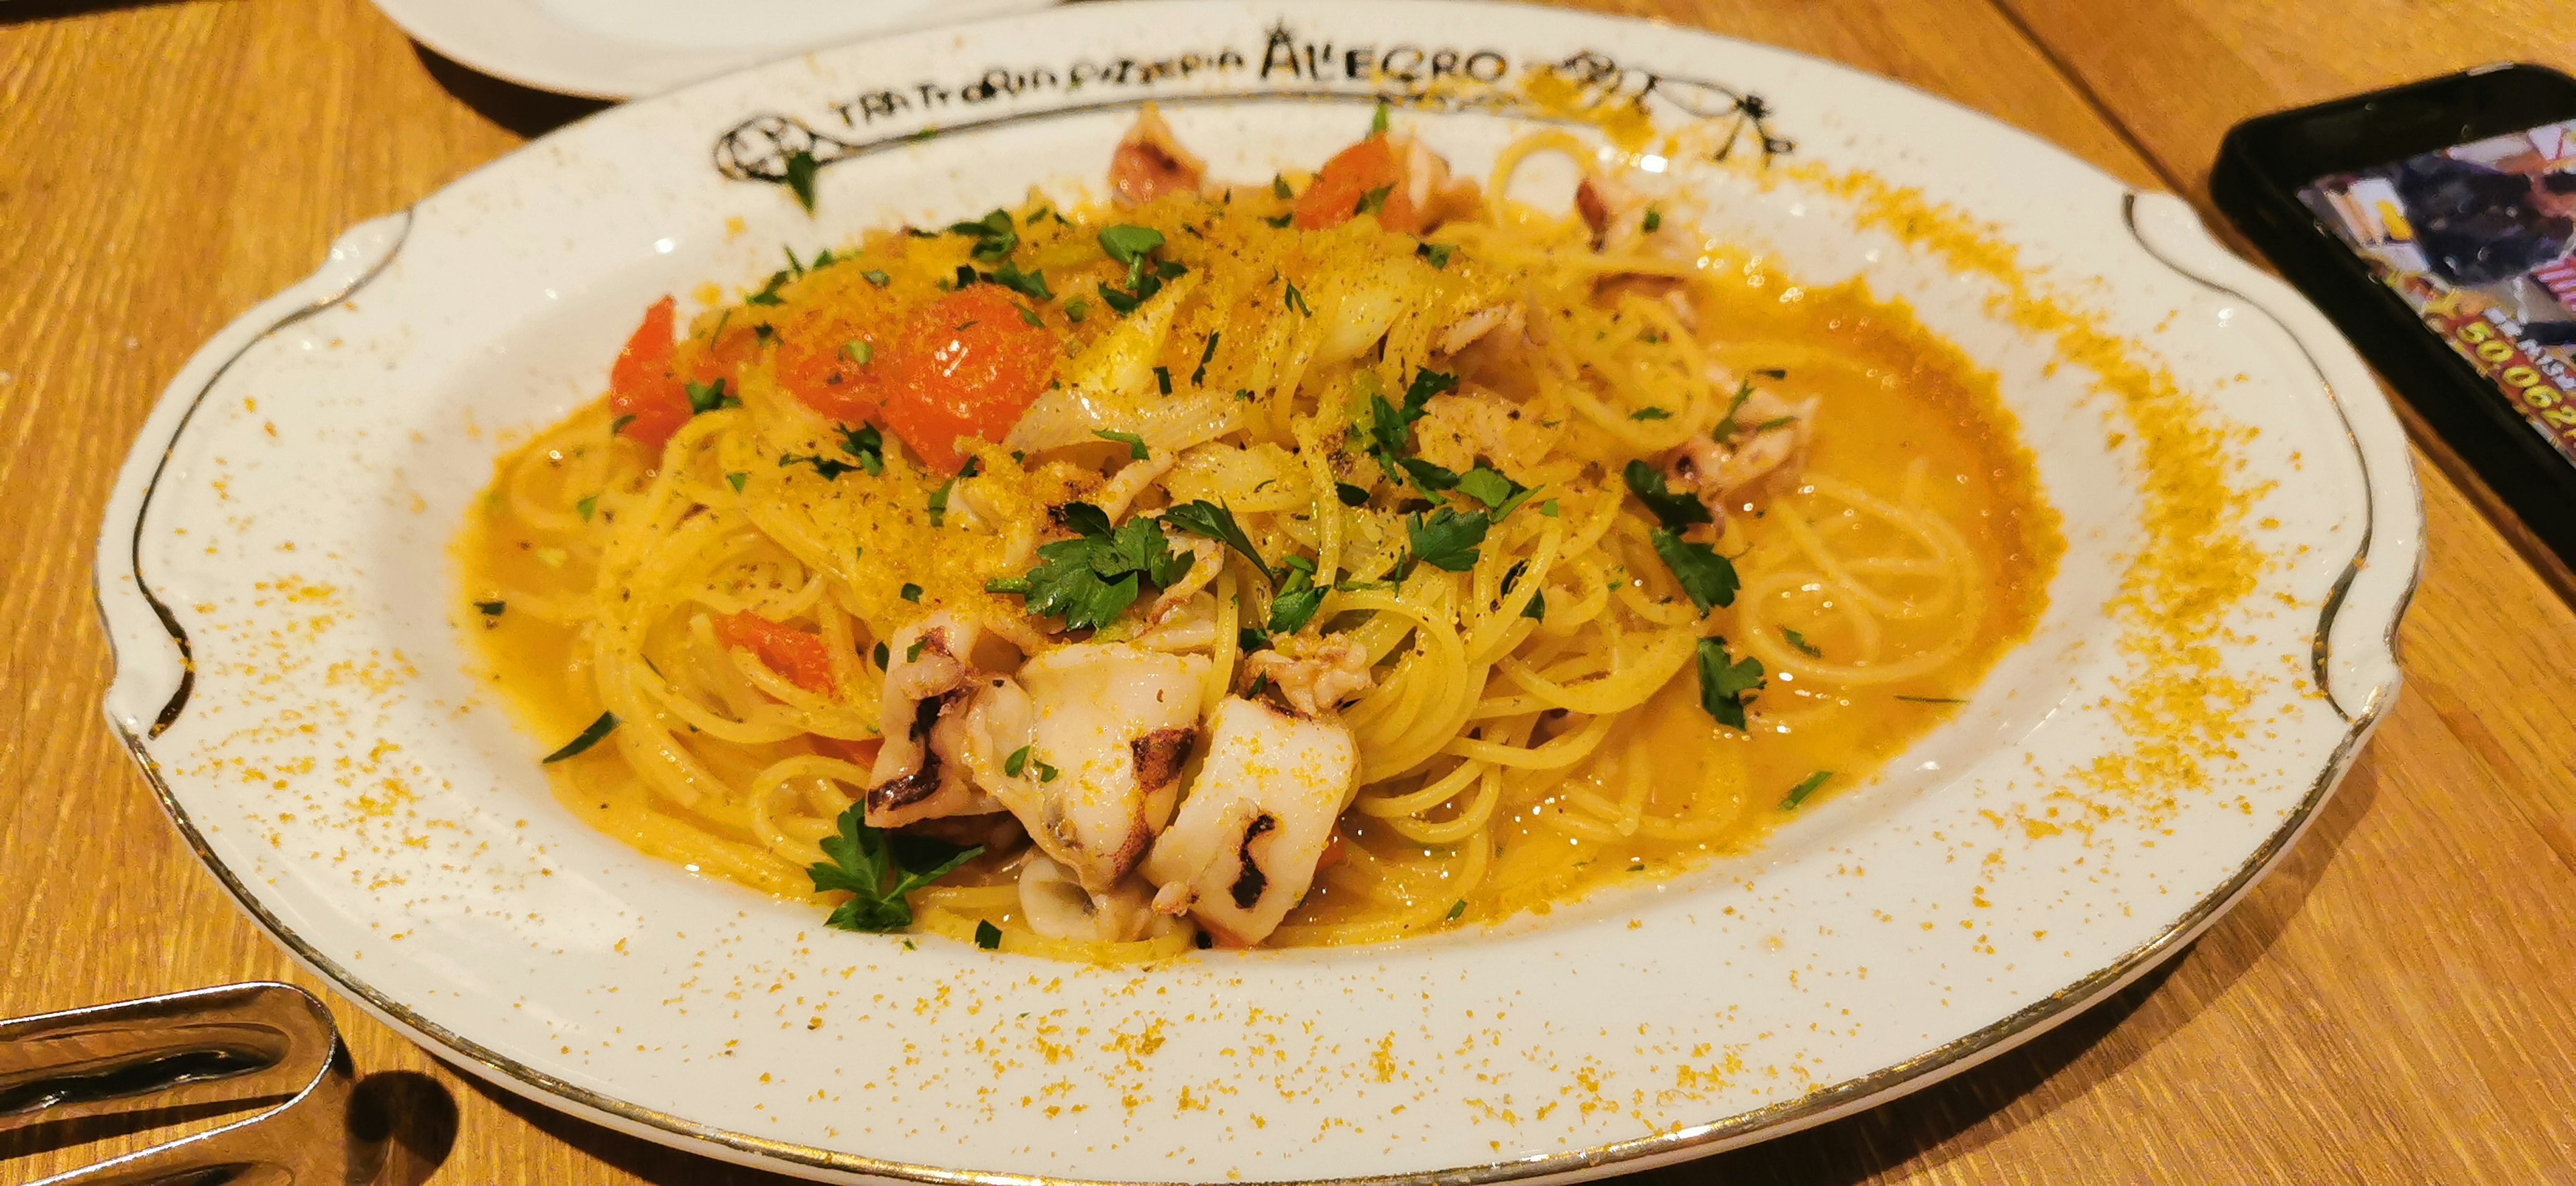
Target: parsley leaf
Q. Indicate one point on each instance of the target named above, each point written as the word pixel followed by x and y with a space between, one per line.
pixel 586 507
pixel 491 609
pixel 1706 577
pixel 801 167
pixel 1447 540
pixel 1279 188
pixel 1027 284
pixel 707 397
pixel 1391 433
pixel 1488 486
pixel 736 479
pixel 1373 201
pixel 1198 378
pixel 987 936
pixel 1650 414
pixel 1134 246
pixel 1654 220
pixel 1674 510
pixel 1799 641
pixel 1297 300
pixel 1351 496
pixel 876 277
pixel 861 859
pixel 1724 682
pixel 1136 450
pixel 1378 122
pixel 589 737
pixel 1129 244
pixel 1018 761
pixel 993 234
pixel 1298 597
pixel 1089 580
pixel 1437 253
pixel 1209 520
pixel 866 444
pixel 825 466
pixel 1806 786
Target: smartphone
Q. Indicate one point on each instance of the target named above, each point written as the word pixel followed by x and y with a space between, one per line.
pixel 2433 223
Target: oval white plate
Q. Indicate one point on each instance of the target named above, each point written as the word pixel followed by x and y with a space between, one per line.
pixel 617 49
pixel 285 519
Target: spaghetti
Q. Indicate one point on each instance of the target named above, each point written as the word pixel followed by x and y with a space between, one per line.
pixel 1318 562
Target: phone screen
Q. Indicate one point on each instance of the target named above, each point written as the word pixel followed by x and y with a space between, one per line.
pixel 2476 238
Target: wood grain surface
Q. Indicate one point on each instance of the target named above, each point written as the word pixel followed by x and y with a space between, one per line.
pixel 2395 1005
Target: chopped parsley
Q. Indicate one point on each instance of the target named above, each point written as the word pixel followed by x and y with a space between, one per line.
pixel 987 936
pixel 491 609
pixel 1018 761
pixel 588 737
pixel 619 425
pixel 1457 909
pixel 1654 220
pixel 1932 700
pixel 1209 520
pixel 1279 188
pixel 1163 379
pixel 1198 378
pixel 707 397
pixel 1351 496
pixel 1650 414
pixel 586 507
pixel 1075 311
pixel 1500 494
pixel 1297 300
pixel 1378 122
pixel 1298 597
pixel 1030 318
pixel 1373 201
pixel 876 277
pixel 1047 773
pixel 1725 681
pixel 1134 246
pixel 1136 450
pixel 1027 284
pixel 1800 643
pixel 912 654
pixel 993 234
pixel 1806 786
pixel 736 479
pixel 1707 578
pixel 909 592
pixel 801 167
pixel 1437 253
pixel 1089 580
pixel 1391 434
pixel 1673 510
pixel 860 353
pixel 878 870
pixel 1446 539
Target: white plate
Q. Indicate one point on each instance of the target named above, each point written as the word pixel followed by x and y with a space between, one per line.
pixel 287 512
pixel 617 49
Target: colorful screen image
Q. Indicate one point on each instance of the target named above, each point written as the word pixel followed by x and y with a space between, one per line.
pixel 2476 237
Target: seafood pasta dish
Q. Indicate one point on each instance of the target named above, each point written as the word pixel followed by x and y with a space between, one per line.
pixel 1317 559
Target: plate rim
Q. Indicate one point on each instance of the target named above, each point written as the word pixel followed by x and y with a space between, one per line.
pixel 2383 585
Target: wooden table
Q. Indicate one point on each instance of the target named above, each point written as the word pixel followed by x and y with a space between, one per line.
pixel 2397 1004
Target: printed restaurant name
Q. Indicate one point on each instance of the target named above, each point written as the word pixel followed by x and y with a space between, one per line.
pixel 771 147
pixel 1411 69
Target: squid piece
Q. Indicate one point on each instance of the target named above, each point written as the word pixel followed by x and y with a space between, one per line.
pixel 1764 438
pixel 948 726
pixel 1258 820
pixel 1112 725
pixel 1058 907
pixel 1311 676
pixel 1150 162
